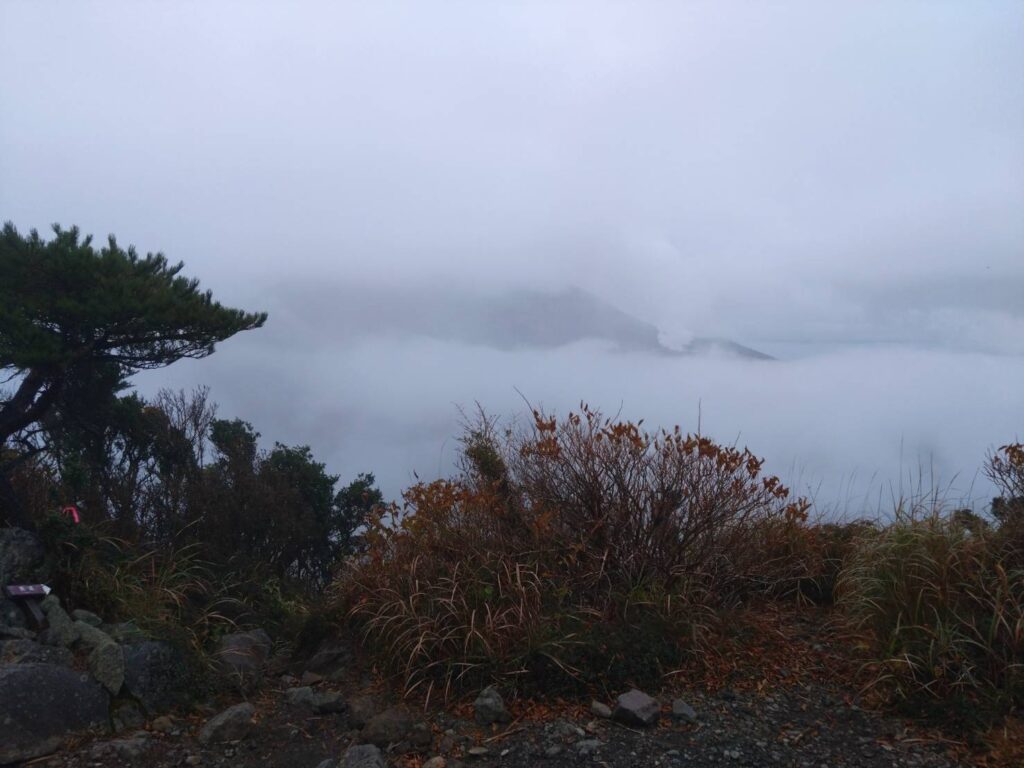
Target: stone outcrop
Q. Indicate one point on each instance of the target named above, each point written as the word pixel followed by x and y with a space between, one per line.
pixel 41 704
pixel 155 673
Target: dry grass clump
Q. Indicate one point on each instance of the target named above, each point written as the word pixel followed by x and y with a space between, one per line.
pixel 169 593
pixel 572 550
pixel 941 599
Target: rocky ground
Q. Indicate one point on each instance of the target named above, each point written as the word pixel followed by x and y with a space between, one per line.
pixel 801 726
pixel 777 691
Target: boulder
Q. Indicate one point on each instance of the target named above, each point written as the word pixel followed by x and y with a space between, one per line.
pixel 61 630
pixel 232 724
pixel 106 663
pixel 125 632
pixel 41 704
pixel 106 659
pixel 91 636
pixel 241 657
pixel 20 651
pixel 22 557
pixel 17 633
pixel 155 673
pixel 636 708
pixel 600 709
pixel 389 727
pixel 86 617
pixel 489 707
pixel 362 756
pixel 11 615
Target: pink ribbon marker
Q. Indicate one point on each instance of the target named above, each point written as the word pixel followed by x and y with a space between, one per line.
pixel 71 512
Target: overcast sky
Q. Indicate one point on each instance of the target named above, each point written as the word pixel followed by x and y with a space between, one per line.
pixel 839 184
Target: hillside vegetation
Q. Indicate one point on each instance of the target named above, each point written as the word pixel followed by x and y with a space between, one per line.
pixel 574 555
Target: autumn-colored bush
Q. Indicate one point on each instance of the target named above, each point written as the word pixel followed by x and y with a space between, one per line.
pixel 1005 469
pixel 560 546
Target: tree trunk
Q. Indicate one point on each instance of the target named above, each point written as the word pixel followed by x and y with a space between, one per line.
pixel 28 404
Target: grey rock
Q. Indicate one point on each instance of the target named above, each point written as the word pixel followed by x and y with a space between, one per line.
pixel 21 651
pixel 11 615
pixel 125 632
pixel 389 727
pixel 162 724
pixel 362 756
pixel 232 724
pixel 90 636
pixel 106 663
pixel 321 702
pixel 155 673
pixel 436 762
pixel 636 708
pixel 311 678
pixel 683 711
pixel 328 763
pixel 588 746
pixel 329 702
pixel 22 557
pixel 241 657
pixel 86 617
pixel 489 707
pixel 41 704
pixel 17 633
pixel 600 710
pixel 61 631
pixel 329 659
pixel 302 697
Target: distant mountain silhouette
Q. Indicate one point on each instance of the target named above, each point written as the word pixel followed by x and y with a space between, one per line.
pixel 513 319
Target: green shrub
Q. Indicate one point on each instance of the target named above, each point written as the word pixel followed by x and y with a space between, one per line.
pixel 170 594
pixel 942 606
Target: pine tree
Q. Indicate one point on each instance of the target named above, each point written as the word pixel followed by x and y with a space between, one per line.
pixel 75 318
